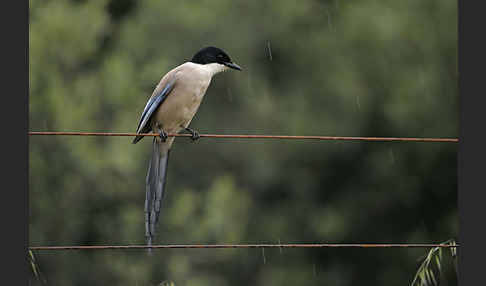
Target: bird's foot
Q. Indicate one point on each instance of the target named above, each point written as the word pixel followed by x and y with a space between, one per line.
pixel 163 135
pixel 194 134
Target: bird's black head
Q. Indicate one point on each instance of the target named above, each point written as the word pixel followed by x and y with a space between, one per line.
pixel 210 55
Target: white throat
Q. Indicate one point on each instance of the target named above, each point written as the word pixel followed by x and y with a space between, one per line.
pixel 215 68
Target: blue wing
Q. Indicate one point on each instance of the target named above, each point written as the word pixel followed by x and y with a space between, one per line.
pixel 150 107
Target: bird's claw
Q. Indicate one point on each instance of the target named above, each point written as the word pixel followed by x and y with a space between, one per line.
pixel 163 135
pixel 194 134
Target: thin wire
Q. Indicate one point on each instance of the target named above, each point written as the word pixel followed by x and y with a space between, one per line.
pixel 407 139
pixel 222 246
pixel 300 245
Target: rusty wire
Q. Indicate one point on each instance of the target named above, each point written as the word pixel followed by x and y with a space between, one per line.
pixel 222 246
pixel 225 246
pixel 246 136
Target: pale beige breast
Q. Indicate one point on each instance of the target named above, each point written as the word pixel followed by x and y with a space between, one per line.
pixel 182 103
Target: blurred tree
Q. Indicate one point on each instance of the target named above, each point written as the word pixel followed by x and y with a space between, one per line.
pixel 349 68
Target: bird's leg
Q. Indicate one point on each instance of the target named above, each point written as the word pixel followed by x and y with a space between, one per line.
pixel 194 134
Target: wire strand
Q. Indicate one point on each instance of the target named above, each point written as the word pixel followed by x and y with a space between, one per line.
pixel 246 136
pixel 223 246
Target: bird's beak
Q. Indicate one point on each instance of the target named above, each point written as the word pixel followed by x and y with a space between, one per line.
pixel 233 66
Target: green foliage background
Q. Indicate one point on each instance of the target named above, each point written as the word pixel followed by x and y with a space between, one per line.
pixel 344 68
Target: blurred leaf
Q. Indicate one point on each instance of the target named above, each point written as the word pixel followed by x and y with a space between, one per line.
pixel 426 274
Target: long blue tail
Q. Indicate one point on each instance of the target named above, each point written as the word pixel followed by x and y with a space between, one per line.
pixel 154 189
